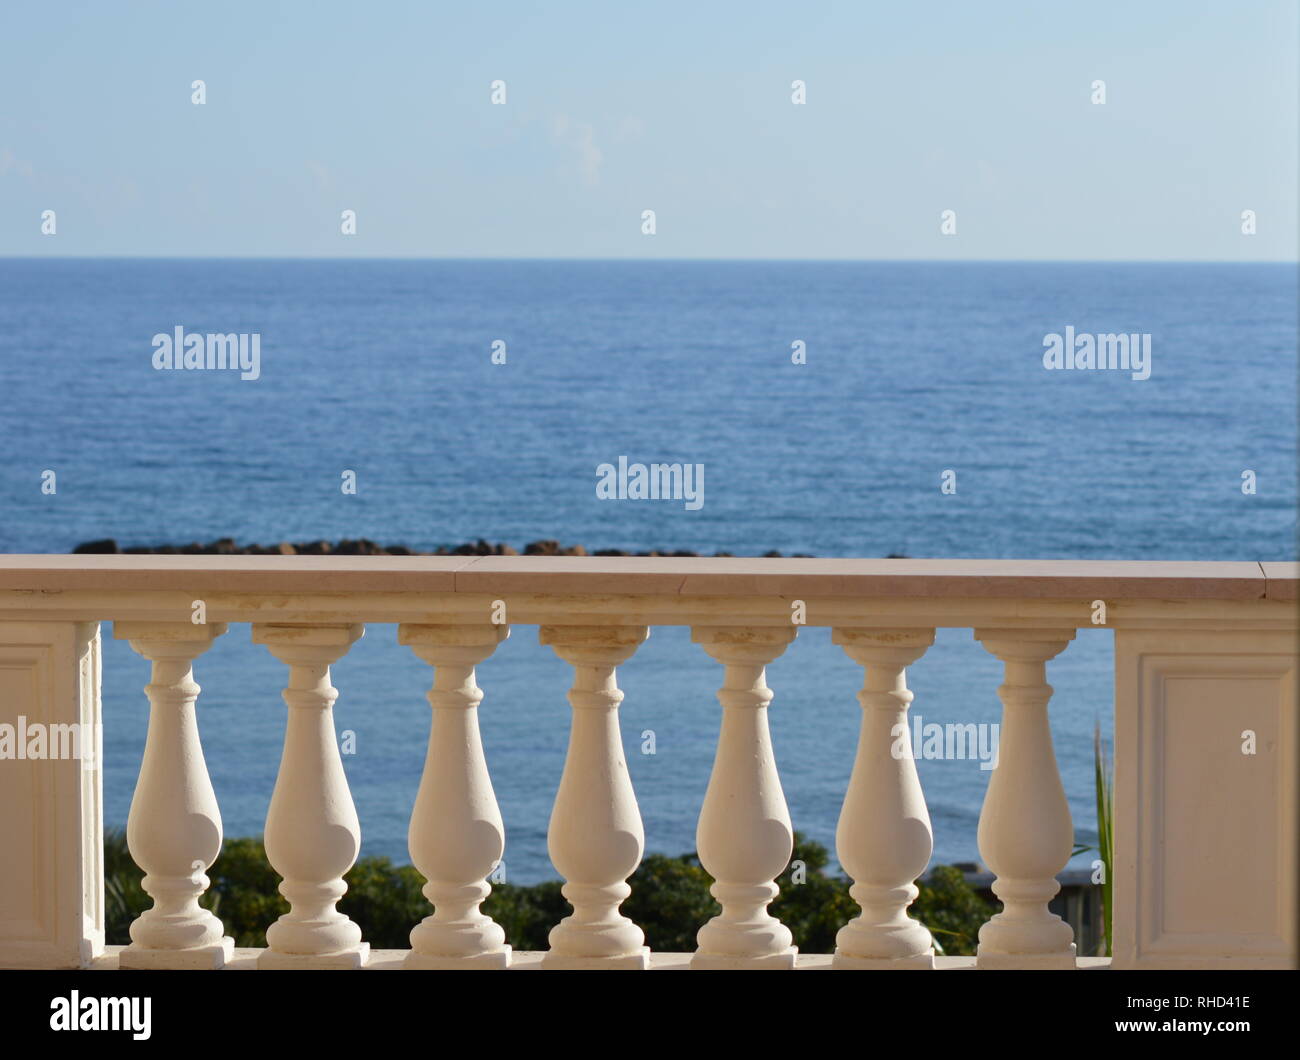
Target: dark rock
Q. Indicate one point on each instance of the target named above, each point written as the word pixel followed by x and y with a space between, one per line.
pixel 106 546
pixel 542 548
pixel 360 547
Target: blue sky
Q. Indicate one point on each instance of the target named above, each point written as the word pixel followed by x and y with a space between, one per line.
pixel 683 108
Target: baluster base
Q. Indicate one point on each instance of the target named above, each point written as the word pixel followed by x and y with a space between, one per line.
pixel 484 961
pixel 201 958
pixel 639 961
pixel 884 964
pixel 1036 961
pixel 357 957
pixel 720 962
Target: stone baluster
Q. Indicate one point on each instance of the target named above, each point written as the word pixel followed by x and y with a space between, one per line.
pixel 312 832
pixel 595 836
pixel 1025 832
pixel 456 836
pixel 883 839
pixel 174 826
pixel 744 834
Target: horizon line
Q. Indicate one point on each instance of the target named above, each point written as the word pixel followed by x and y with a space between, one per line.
pixel 649 260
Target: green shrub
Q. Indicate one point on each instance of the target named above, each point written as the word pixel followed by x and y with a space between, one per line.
pixel 817 908
pixel 951 909
pixel 244 891
pixel 527 913
pixel 124 898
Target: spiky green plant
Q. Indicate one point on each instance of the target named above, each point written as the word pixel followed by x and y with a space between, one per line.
pixel 1105 829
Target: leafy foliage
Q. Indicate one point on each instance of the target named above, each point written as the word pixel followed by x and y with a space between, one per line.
pixel 244 891
pixel 816 908
pixel 670 900
pixel 527 913
pixel 951 909
pixel 124 898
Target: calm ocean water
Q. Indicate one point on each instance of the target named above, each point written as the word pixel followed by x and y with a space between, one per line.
pixel 384 368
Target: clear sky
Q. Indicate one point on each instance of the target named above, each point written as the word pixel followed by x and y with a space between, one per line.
pixel 683 108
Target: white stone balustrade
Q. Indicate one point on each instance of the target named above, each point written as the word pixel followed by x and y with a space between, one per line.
pixel 312 832
pixel 456 836
pixel 1205 663
pixel 1025 832
pixel 883 838
pixel 595 837
pixel 174 828
pixel 744 835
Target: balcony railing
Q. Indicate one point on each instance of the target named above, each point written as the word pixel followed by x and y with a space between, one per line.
pixel 1205 754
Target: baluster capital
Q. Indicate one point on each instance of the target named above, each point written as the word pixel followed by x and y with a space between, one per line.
pixel 869 646
pixel 744 645
pixel 307 645
pixel 1024 645
pixel 594 645
pixel 452 644
pixel 168 640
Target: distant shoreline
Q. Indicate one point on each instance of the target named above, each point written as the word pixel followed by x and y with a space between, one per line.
pixel 227 546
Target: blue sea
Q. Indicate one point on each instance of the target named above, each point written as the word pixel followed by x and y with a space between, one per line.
pixel 385 368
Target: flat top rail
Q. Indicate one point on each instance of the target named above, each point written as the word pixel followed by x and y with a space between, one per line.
pixel 671 576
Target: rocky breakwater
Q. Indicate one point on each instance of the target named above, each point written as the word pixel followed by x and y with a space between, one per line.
pixel 227 546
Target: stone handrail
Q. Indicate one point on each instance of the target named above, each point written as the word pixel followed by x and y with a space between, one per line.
pixel 1205 759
